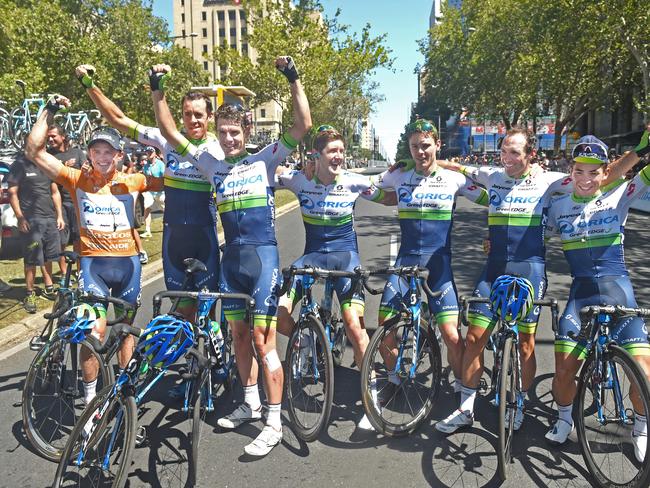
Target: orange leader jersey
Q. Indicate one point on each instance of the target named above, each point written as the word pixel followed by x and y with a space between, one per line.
pixel 105 210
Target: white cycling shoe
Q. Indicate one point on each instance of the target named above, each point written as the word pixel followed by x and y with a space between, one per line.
pixel 640 443
pixel 364 424
pixel 263 443
pixel 457 420
pixel 519 419
pixel 243 413
pixel 559 432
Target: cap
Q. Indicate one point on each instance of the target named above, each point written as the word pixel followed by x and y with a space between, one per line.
pixel 590 150
pixel 106 134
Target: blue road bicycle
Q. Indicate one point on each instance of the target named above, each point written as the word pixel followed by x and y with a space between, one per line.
pixel 402 367
pixel 79 125
pixel 23 118
pixel 607 383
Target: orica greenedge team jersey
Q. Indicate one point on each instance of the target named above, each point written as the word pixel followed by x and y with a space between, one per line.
pixel 244 189
pixel 517 210
pixel 188 195
pixel 592 228
pixel 426 206
pixel 327 210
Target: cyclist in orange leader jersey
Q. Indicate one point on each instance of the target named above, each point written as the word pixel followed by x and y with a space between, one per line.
pixel 104 202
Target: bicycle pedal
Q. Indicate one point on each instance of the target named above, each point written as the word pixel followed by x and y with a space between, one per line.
pixel 141 436
pixel 36 343
pixel 482 386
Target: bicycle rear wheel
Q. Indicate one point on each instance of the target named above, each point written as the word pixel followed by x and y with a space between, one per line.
pixel 199 394
pixel 338 333
pixel 53 395
pixel 309 378
pixel 399 383
pixel 19 127
pixel 100 449
pixel 508 387
pixel 605 419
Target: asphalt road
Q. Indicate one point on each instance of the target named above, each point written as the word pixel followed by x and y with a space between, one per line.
pixel 343 456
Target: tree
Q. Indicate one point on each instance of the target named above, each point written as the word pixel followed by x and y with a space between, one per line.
pixel 335 65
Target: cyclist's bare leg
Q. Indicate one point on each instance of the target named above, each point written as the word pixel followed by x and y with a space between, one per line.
pixel 187 310
pixel 644 362
pixel 472 364
pixel 89 364
pixel 564 380
pixel 455 345
pixel 264 339
pixel 528 359
pixel 286 324
pixel 245 360
pixel 388 348
pixel 355 329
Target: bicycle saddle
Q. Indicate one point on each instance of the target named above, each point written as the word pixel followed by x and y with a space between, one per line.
pixel 194 266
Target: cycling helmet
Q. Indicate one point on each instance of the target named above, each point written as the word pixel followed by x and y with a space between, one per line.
pixel 165 339
pixel 511 297
pixel 77 323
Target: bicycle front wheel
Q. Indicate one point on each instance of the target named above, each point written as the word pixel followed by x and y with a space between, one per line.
pixel 199 411
pixel 400 377
pixel 309 379
pixel 605 418
pixel 508 386
pixel 53 395
pixel 101 445
pixel 19 127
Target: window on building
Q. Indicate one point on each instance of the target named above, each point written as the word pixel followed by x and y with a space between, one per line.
pixel 205 65
pixel 220 16
pixel 233 45
pixel 242 16
pixel 182 3
pixel 244 49
pixel 222 33
pixel 205 32
pixel 204 15
pixel 233 32
pixel 183 33
pixel 244 31
pixel 232 15
pixel 182 18
pixel 205 48
pixel 263 113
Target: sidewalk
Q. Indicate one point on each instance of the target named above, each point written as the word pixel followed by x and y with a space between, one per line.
pixel 13 336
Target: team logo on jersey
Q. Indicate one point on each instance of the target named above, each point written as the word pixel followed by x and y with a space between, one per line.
pixel 404 195
pixel 495 198
pixel 439 178
pixel 630 189
pixel 565 227
pixel 306 202
pixel 218 184
pixel 339 187
pixel 172 162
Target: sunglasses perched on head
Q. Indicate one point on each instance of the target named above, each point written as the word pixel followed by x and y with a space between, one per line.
pixel 325 127
pixel 421 125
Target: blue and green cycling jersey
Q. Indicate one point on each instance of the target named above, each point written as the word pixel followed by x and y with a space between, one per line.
pixel 517 210
pixel 244 188
pixel 592 228
pixel 188 195
pixel 426 206
pixel 327 210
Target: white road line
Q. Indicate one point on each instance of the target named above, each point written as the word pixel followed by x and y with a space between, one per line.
pixel 392 248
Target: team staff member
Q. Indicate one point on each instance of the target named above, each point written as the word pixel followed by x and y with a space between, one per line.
pixel 190 207
pixel 591 224
pixel 244 187
pixel 36 202
pixel 105 205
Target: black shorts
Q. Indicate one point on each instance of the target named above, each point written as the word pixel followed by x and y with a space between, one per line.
pixel 42 243
pixel 70 217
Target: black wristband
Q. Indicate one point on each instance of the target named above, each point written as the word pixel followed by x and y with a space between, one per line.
pixel 157 80
pixel 52 106
pixel 290 71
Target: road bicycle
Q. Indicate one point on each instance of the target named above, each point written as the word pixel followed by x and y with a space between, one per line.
pixel 604 412
pixel 5 118
pixel 79 125
pixel 52 397
pixel 505 378
pixel 316 345
pixel 402 368
pixel 23 118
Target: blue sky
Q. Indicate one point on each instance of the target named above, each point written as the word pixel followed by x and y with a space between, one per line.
pixel 403 26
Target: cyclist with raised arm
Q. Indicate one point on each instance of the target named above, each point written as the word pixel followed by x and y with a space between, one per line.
pixel 519 195
pixel 104 201
pixel 426 200
pixel 189 209
pixel 244 187
pixel 591 222
pixel 327 202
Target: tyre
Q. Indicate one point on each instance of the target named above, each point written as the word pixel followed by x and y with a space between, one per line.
pixel 84 135
pixel 19 127
pixel 508 386
pixel 398 399
pixel 309 378
pixel 100 449
pixel 53 395
pixel 337 331
pixel 605 437
pixel 199 397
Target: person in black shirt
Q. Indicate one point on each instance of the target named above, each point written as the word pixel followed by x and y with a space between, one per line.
pixel 36 201
pixel 59 146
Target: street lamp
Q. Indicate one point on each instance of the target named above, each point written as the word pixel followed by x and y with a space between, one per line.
pixel 183 36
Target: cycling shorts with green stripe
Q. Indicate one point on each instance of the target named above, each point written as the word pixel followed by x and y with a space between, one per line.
pixel 445 307
pixel 254 270
pixel 630 333
pixel 480 314
pixel 335 261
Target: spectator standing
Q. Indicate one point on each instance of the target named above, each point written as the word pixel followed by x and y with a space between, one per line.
pixel 36 201
pixel 153 166
pixel 73 157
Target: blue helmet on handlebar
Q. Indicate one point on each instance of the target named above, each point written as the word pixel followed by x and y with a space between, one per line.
pixel 77 323
pixel 165 339
pixel 511 297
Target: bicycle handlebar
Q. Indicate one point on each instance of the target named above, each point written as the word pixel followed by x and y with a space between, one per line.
pixel 118 331
pixel 589 312
pixel 90 298
pixel 158 297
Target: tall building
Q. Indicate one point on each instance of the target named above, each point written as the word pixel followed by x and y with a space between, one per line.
pixel 435 17
pixel 199 25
